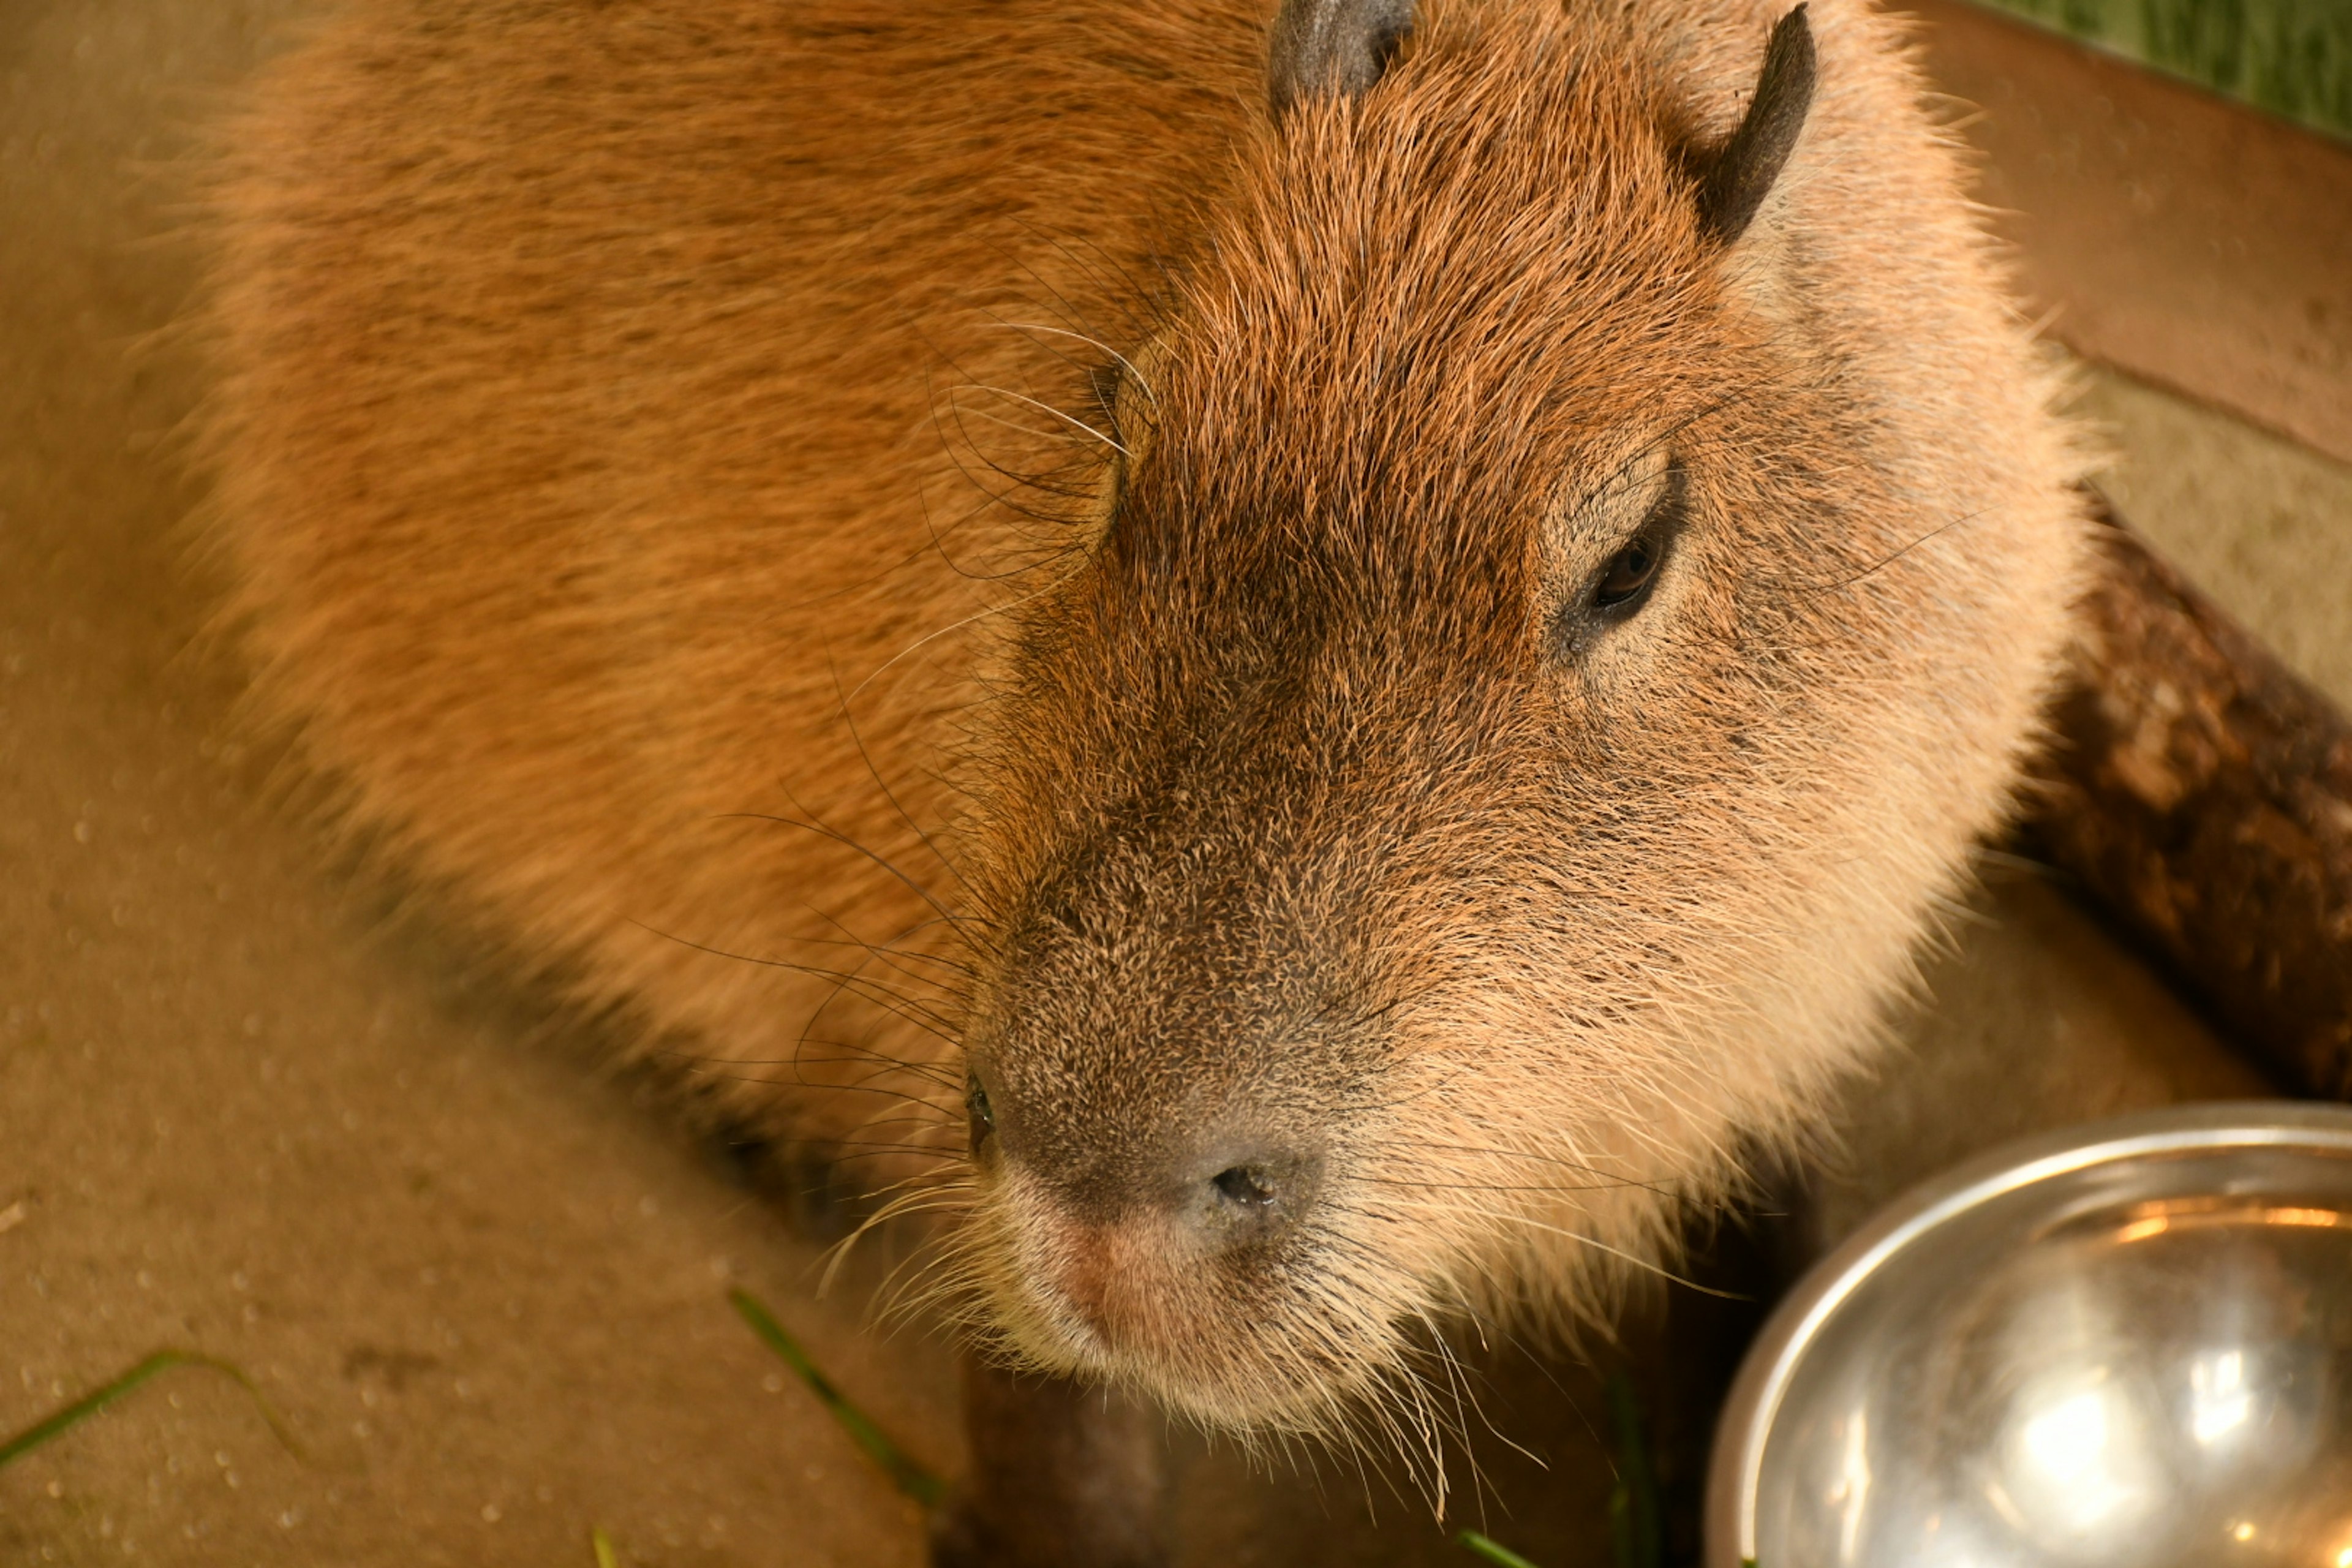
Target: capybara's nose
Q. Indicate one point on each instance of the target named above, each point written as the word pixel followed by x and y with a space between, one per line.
pixel 1238 1194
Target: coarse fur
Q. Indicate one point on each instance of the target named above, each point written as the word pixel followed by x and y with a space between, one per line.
pixel 1087 580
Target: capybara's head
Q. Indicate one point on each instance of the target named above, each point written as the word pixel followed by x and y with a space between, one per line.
pixel 1534 663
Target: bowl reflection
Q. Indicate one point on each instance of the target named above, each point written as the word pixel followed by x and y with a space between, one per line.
pixel 2131 1344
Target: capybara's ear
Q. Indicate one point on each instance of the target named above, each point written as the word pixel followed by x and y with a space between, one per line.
pixel 1338 47
pixel 1735 178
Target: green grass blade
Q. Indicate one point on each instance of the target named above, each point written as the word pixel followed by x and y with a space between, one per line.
pixel 905 1474
pixel 1636 1531
pixel 602 1543
pixel 98 1399
pixel 1493 1550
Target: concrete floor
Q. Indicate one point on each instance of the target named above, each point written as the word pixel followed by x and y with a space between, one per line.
pixel 242 1110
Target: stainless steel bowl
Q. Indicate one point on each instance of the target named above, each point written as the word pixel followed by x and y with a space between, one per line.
pixel 2129 1344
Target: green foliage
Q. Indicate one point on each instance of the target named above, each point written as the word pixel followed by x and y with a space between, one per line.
pixel 2293 57
pixel 1637 1528
pixel 1636 1535
pixel 58 1423
pixel 905 1474
pixel 1493 1551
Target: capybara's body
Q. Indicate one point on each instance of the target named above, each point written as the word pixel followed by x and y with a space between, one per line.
pixel 1361 691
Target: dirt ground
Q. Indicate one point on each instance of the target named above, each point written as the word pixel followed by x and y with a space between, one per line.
pixel 242 1110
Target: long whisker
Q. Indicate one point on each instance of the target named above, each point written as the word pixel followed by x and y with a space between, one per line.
pixel 864 987
pixel 842 839
pixel 1125 364
pixel 1893 557
pixel 1659 1188
pixel 1530 1222
pixel 1071 420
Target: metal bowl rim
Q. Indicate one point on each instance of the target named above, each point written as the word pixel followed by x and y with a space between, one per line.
pixel 1771 1362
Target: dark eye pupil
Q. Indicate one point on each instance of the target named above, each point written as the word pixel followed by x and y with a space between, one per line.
pixel 983 1119
pixel 1628 572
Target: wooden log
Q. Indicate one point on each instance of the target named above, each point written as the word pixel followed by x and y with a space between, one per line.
pixel 2201 791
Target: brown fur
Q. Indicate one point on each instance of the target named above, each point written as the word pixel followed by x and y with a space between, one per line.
pixel 666 453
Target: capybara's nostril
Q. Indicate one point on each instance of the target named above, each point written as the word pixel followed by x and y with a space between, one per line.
pixel 1251 1197
pixel 1247 1187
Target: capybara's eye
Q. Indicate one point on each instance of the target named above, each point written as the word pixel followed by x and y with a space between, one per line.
pixel 1626 578
pixel 981 1116
pixel 1629 573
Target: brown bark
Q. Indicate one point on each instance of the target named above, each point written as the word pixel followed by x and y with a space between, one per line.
pixel 2202 793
